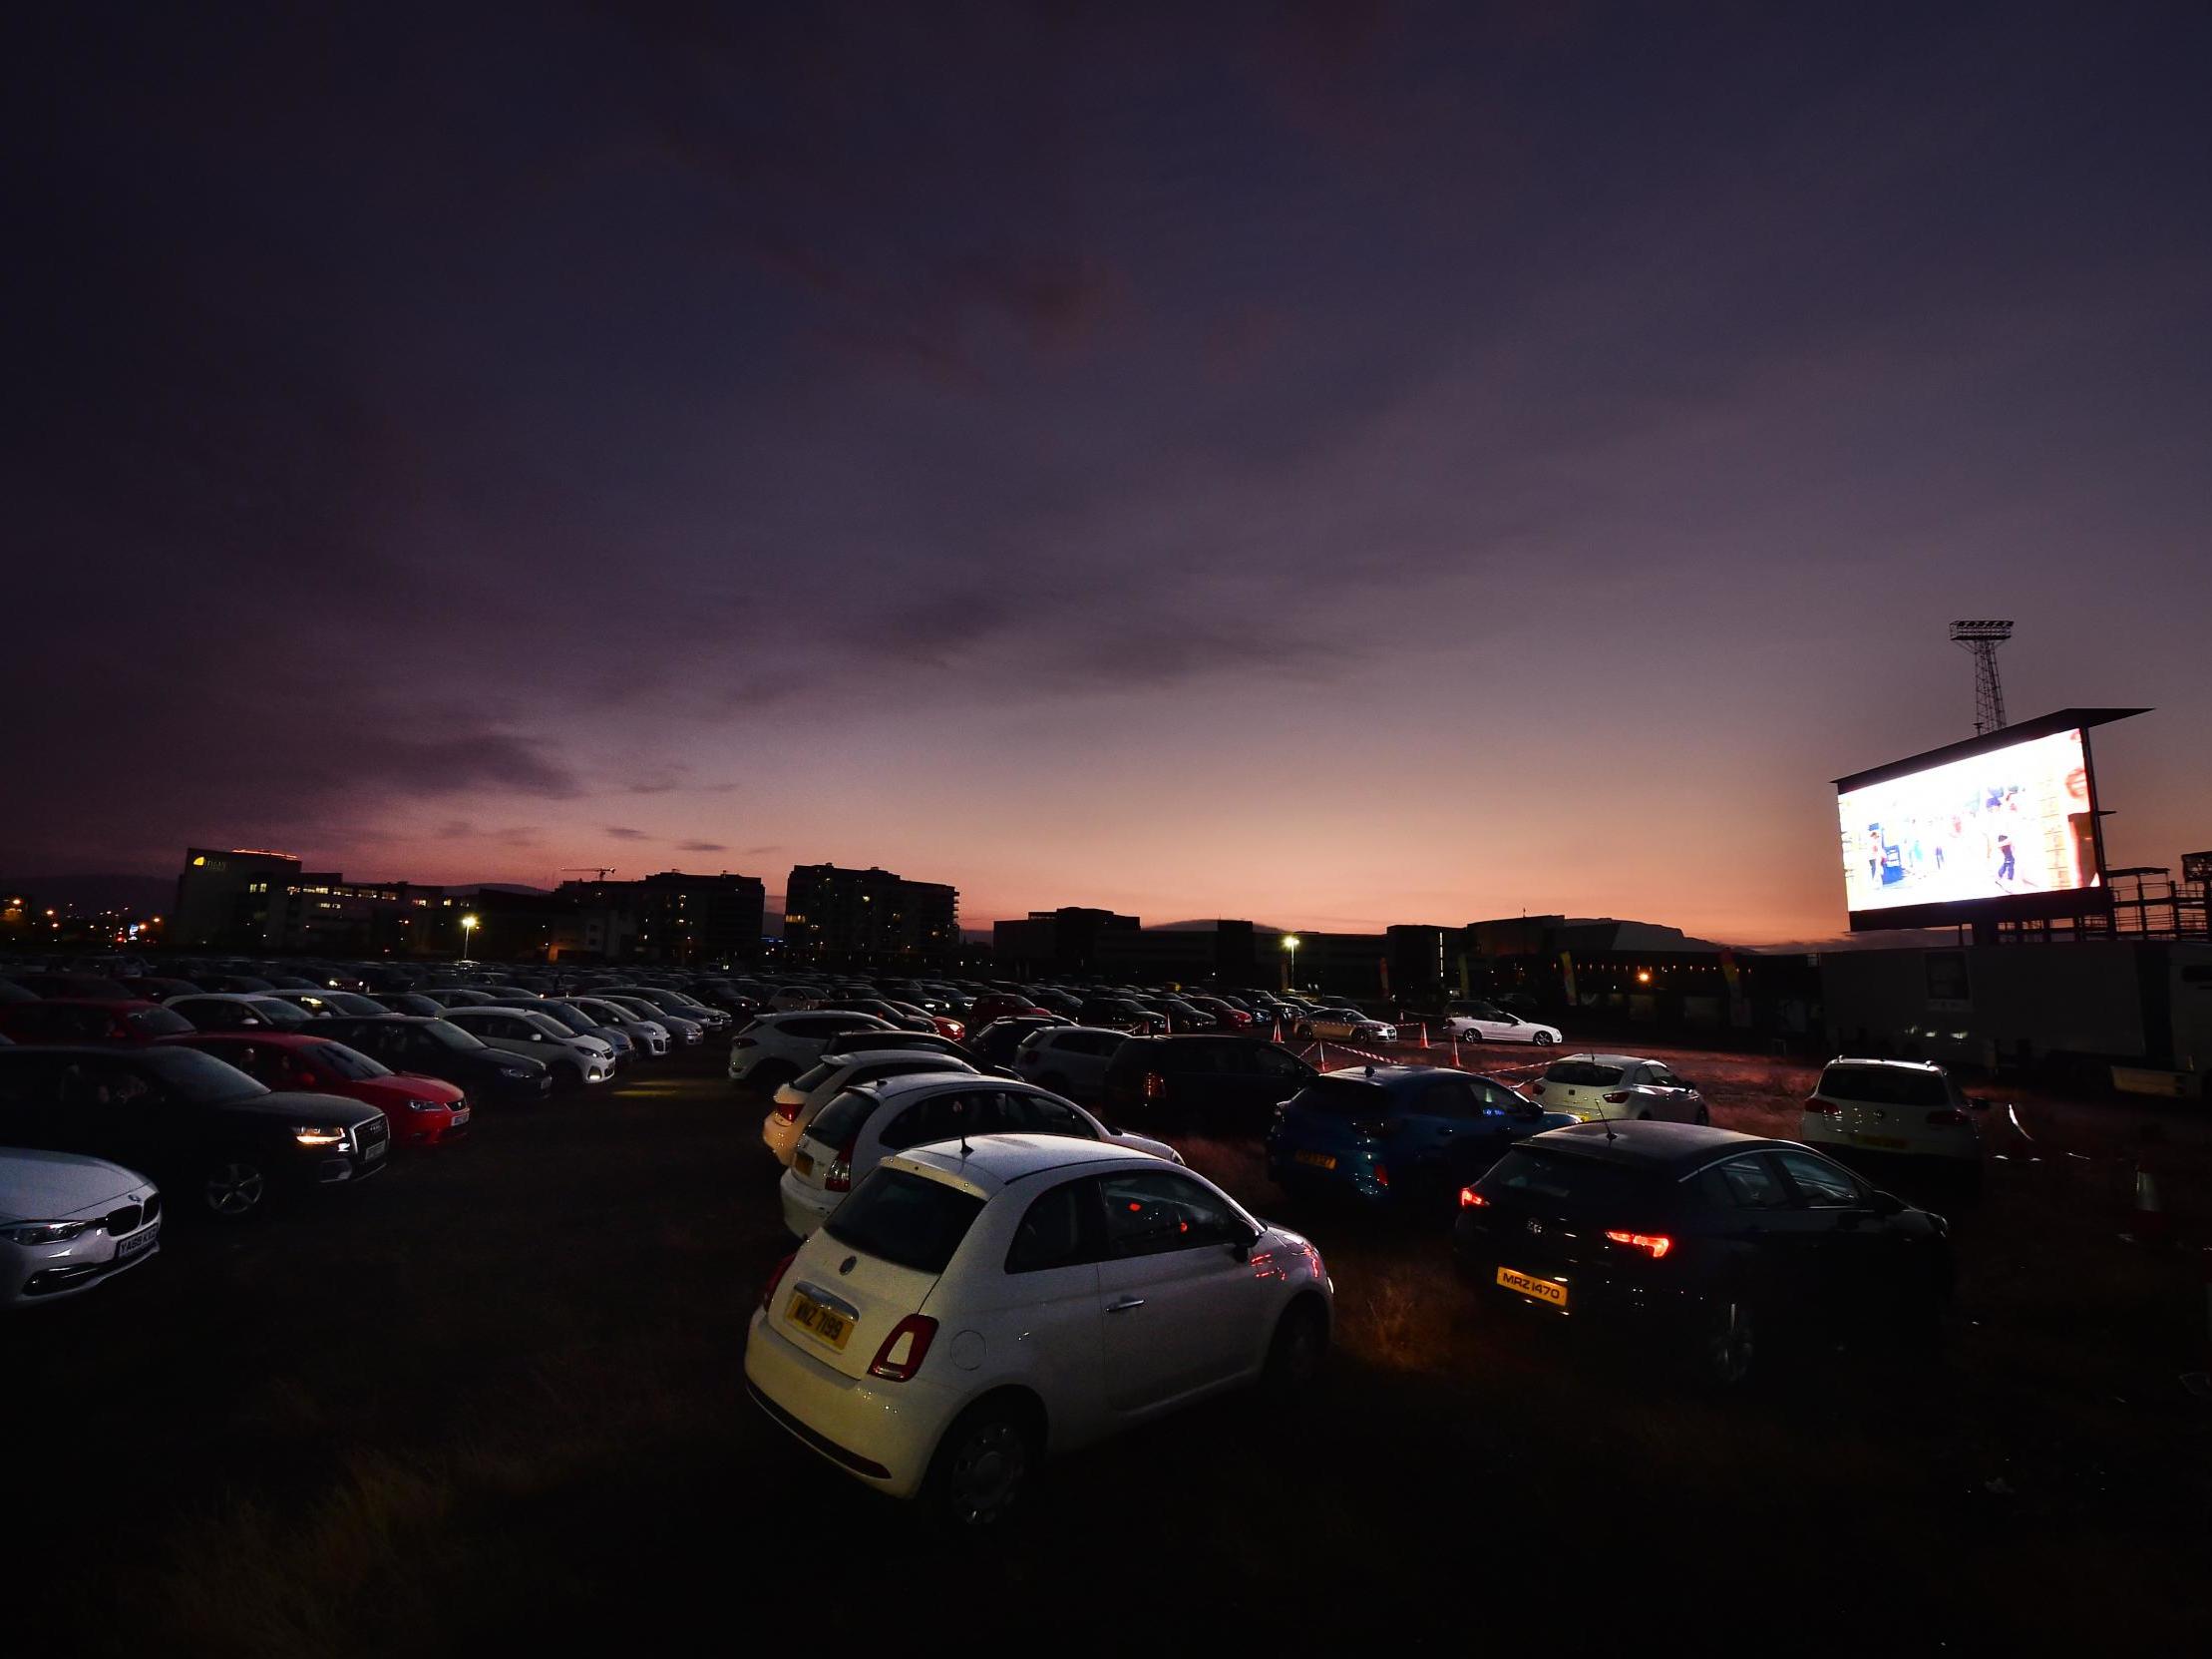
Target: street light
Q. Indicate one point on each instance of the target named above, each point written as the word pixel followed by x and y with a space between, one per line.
pixel 468 931
pixel 1290 943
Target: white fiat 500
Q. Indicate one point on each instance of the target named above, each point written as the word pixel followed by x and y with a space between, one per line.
pixel 67 1222
pixel 1619 1088
pixel 1497 1026
pixel 1904 1109
pixel 861 1127
pixel 974 1307
pixel 797 1103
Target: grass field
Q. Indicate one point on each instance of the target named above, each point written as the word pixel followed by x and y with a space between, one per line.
pixel 494 1397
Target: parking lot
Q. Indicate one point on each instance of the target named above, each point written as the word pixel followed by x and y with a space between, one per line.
pixel 501 1399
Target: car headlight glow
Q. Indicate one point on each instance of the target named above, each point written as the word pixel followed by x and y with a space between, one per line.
pixel 318 1134
pixel 45 1232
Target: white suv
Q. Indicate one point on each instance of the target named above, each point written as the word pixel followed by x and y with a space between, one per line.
pixel 863 1127
pixel 1908 1109
pixel 797 1101
pixel 780 1045
pixel 968 1312
pixel 1068 1060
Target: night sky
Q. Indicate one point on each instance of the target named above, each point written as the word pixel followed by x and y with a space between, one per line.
pixel 1330 464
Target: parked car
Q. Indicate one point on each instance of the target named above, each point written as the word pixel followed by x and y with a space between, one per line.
pixel 889 1013
pixel 857 1130
pixel 1077 1289
pixel 580 1023
pixel 408 1002
pixel 778 1046
pixel 1881 1108
pixel 423 1111
pixel 1342 1024
pixel 69 1222
pixel 1711 1241
pixel 1495 1024
pixel 1121 1015
pixel 440 1049
pixel 1397 1135
pixel 855 1044
pixel 1214 1084
pixel 682 1033
pixel 999 1005
pixel 235 1011
pixel 89 1020
pixel 77 986
pixel 320 1002
pixel 648 1036
pixel 573 1060
pixel 207 1131
pixel 998 1043
pixel 1071 1059
pixel 151 990
pixel 795 1103
pixel 1618 1087
pixel 678 1005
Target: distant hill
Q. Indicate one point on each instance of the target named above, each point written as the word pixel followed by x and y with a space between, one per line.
pixel 141 895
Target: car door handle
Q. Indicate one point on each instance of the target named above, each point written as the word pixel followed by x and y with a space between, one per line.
pixel 1125 1304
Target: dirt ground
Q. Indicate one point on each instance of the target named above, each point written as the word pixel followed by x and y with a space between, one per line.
pixel 495 1397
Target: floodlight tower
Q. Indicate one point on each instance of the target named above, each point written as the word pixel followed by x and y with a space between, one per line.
pixel 1982 638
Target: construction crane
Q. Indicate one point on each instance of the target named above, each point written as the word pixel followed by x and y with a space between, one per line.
pixel 598 872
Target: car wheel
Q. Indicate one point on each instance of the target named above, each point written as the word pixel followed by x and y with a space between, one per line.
pixel 984 1464
pixel 1730 1345
pixel 1299 1351
pixel 234 1188
pixel 1543 1039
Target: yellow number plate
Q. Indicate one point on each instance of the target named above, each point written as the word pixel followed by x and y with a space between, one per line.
pixel 825 1324
pixel 1320 1160
pixel 1544 1290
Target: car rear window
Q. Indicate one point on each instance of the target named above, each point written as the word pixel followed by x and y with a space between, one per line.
pixel 838 1122
pixel 1884 1085
pixel 1588 1074
pixel 1342 1098
pixel 158 1021
pixel 904 1218
pixel 1572 1180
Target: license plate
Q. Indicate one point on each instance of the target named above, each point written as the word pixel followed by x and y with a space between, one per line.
pixel 1542 1290
pixel 136 1244
pixel 824 1323
pixel 1888 1144
pixel 1320 1160
pixel 803 1162
pixel 374 1150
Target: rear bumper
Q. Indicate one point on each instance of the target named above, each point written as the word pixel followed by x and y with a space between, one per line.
pixel 804 1208
pixel 884 1433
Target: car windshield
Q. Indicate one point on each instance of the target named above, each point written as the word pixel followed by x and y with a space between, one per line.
pixel 157 1022
pixel 546 1023
pixel 452 1035
pixel 350 1062
pixel 1884 1085
pixel 1587 1073
pixel 904 1218
pixel 200 1079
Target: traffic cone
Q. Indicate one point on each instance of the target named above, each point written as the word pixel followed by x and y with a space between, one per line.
pixel 1424 1033
pixel 2150 1214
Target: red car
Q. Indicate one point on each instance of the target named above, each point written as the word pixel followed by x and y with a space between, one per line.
pixel 423 1111
pixel 998 1004
pixel 89 1020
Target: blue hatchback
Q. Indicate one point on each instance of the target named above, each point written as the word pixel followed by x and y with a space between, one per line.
pixel 1397 1134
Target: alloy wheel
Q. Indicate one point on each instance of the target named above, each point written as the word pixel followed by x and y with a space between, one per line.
pixel 987 1472
pixel 234 1189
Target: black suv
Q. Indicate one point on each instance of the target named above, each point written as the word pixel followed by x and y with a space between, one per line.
pixel 1208 1083
pixel 440 1049
pixel 1714 1241
pixel 202 1130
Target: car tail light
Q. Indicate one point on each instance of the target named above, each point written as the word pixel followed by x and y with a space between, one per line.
pixel 788 1110
pixel 1470 1199
pixel 839 1176
pixel 1155 1085
pixel 1654 1245
pixel 775 1277
pixel 1947 1119
pixel 905 1349
pixel 1825 1108
pixel 1382 1176
pixel 1617 1098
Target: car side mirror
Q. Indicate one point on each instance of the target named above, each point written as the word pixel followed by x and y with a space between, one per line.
pixel 1242 1248
pixel 1886 1205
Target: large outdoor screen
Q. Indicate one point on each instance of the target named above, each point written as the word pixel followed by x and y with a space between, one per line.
pixel 2014 822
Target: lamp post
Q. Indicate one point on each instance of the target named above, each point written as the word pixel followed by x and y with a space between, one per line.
pixel 468 935
pixel 1291 945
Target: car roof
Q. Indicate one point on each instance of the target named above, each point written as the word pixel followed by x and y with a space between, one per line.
pixel 263 1038
pixel 1386 1076
pixel 994 1162
pixel 925 1083
pixel 1675 1149
pixel 1925 1065
pixel 120 1004
pixel 1611 1059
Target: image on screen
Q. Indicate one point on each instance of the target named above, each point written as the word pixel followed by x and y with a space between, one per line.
pixel 2017 820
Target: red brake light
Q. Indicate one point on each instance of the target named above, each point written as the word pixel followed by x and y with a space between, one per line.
pixel 775 1277
pixel 788 1110
pixel 1155 1085
pixel 1654 1245
pixel 1383 1177
pixel 1470 1199
pixel 1618 1099
pixel 1826 1108
pixel 905 1349
pixel 839 1176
